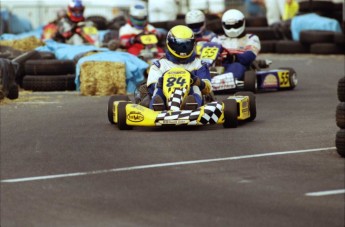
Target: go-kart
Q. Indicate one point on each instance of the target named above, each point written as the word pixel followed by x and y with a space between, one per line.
pixel 86 33
pixel 150 49
pixel 177 82
pixel 83 33
pixel 257 77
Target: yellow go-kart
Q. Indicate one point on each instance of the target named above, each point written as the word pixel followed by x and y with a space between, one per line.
pixel 176 85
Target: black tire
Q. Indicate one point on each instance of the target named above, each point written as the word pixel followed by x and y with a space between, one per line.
pixel 316 6
pixel 340 142
pixel 326 48
pixel 21 59
pixel 230 113
pixel 8 85
pixel 47 55
pixel 252 103
pixel 215 25
pixel 13 92
pixel 49 67
pixel 117 22
pixel 250 81
pixel 122 116
pixel 256 21
pixel 341 89
pixel 49 82
pixel 339 38
pixel 264 33
pixel 268 46
pixel 292 78
pixel 99 22
pixel 340 115
pixel 291 47
pixel 111 101
pixel 316 36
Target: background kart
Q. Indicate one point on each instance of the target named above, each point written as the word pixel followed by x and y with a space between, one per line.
pixel 258 76
pixel 240 107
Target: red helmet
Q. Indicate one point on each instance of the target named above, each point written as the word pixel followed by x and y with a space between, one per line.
pixel 75 11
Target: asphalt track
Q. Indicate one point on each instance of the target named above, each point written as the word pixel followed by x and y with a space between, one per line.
pixel 64 164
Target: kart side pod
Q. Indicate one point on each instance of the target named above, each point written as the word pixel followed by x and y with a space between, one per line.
pixel 239 107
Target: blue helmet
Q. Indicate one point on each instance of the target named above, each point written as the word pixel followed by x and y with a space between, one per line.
pixel 75 10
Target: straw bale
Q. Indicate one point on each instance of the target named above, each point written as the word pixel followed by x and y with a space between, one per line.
pixel 102 78
pixel 25 44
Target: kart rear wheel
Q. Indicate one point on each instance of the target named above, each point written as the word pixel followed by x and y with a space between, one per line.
pixel 230 113
pixel 122 116
pixel 111 101
pixel 250 81
pixel 292 78
pixel 252 103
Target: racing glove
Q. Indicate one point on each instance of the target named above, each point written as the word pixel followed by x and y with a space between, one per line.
pixel 197 81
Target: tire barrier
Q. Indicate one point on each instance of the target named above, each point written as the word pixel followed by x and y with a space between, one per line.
pixel 340 118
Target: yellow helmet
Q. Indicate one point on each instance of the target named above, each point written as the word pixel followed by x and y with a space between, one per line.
pixel 180 41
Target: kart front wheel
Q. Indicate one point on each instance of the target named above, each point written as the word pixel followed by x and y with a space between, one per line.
pixel 111 101
pixel 230 113
pixel 250 81
pixel 122 116
pixel 252 103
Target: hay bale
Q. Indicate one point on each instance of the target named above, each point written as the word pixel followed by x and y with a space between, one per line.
pixel 102 78
pixel 25 44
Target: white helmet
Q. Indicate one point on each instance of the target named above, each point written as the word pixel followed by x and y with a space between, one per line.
pixel 233 23
pixel 195 20
pixel 138 14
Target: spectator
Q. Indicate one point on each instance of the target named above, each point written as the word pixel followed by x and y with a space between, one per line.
pixel 159 13
pixel 280 10
pixel 254 8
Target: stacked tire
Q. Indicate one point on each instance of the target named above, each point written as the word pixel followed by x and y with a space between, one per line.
pixel 49 74
pixel 340 118
pixel 8 86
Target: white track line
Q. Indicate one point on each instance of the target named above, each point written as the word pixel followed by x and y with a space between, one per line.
pixel 160 165
pixel 324 193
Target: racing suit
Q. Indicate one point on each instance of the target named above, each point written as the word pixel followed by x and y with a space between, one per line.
pixel 66 31
pixel 243 51
pixel 192 64
pixel 129 37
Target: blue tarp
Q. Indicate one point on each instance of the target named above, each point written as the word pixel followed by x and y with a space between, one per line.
pixel 64 51
pixel 312 21
pixel 134 66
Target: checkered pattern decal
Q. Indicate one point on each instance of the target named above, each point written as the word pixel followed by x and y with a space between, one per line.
pixel 176 98
pixel 212 112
